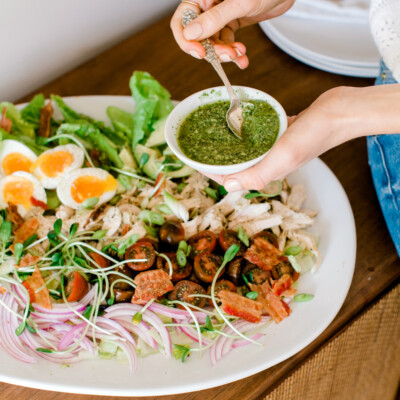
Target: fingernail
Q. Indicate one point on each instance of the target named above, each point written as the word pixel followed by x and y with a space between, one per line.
pixel 194 54
pixel 239 53
pixel 232 185
pixel 192 31
pixel 225 57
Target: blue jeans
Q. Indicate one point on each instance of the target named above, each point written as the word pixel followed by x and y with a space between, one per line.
pixel 384 161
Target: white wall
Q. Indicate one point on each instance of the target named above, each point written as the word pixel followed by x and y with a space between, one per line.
pixel 42 39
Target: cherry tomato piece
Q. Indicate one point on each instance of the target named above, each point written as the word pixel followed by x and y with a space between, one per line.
pixel 178 272
pixel 222 284
pixel 234 270
pixel 125 270
pixel 77 287
pixel 265 234
pixel 203 241
pixel 183 291
pixel 227 238
pixel 206 266
pixel 153 242
pixel 259 275
pixel 101 261
pixel 171 232
pixel 138 251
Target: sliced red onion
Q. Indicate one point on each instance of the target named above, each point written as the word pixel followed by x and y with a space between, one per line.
pixel 69 337
pixel 192 334
pixel 88 298
pixel 8 324
pixel 139 330
pixel 130 352
pixel 147 316
pixel 115 328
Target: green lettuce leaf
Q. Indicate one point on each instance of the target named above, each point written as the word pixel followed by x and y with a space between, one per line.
pixel 91 134
pixel 37 148
pixel 73 117
pixel 31 112
pixel 19 126
pixel 122 121
pixel 153 102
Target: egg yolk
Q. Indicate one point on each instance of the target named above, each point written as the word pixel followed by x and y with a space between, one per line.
pixel 17 191
pixel 14 162
pixel 86 187
pixel 54 164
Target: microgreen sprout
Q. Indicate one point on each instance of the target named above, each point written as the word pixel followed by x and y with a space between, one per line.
pixel 243 236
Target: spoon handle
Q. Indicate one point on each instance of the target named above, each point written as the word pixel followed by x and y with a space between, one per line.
pixel 211 57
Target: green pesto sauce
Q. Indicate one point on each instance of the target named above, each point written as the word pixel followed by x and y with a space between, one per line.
pixel 204 135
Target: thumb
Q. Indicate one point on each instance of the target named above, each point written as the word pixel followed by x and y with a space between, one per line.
pixel 283 158
pixel 213 20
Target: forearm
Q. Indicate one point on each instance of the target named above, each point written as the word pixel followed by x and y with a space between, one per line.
pixel 368 111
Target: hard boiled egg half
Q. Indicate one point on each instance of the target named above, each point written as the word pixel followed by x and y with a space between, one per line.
pixel 15 156
pixel 52 165
pixel 86 183
pixel 23 190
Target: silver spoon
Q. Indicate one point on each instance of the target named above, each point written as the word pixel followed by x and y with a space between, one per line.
pixel 234 116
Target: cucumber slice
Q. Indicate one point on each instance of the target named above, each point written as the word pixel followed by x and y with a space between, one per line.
pixel 181 173
pixel 151 168
pixel 127 158
pixel 157 137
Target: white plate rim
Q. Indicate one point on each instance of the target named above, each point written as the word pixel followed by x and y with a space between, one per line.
pixel 212 382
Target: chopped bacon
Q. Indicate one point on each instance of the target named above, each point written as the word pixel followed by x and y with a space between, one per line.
pixel 271 303
pixel 125 229
pixel 262 253
pixel 12 211
pixel 28 260
pixel 45 115
pixel 5 123
pixel 37 289
pixel 38 203
pixel 151 285
pixel 239 306
pixel 161 188
pixel 26 230
pixel 282 284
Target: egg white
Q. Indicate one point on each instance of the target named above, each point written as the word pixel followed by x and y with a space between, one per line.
pixel 52 182
pixel 38 191
pixel 9 146
pixel 65 185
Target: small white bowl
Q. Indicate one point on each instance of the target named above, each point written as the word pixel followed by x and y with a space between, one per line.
pixel 185 107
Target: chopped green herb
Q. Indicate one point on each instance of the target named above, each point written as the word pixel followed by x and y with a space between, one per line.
pixel 99 234
pixel 180 352
pixel 293 262
pixel 43 350
pixel 5 231
pixel 18 248
pixel 72 229
pixel 246 281
pixel 251 276
pixel 293 251
pixel 303 297
pixel 252 295
pixel 90 203
pixel 222 191
pixel 181 186
pixel 127 243
pixel 163 208
pixel 57 226
pixel 87 312
pixel 181 258
pixel 143 159
pixel 243 236
pixel 137 318
pixel 30 240
pixel 21 328
pixel 125 182
pixel 212 193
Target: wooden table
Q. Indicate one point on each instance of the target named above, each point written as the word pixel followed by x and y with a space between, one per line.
pixel 295 86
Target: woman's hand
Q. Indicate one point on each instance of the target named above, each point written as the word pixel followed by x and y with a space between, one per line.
pixel 338 115
pixel 220 21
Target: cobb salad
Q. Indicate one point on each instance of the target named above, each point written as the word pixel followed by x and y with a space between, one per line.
pixel 111 247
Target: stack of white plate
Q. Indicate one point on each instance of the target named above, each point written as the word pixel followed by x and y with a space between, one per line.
pixel 340 45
